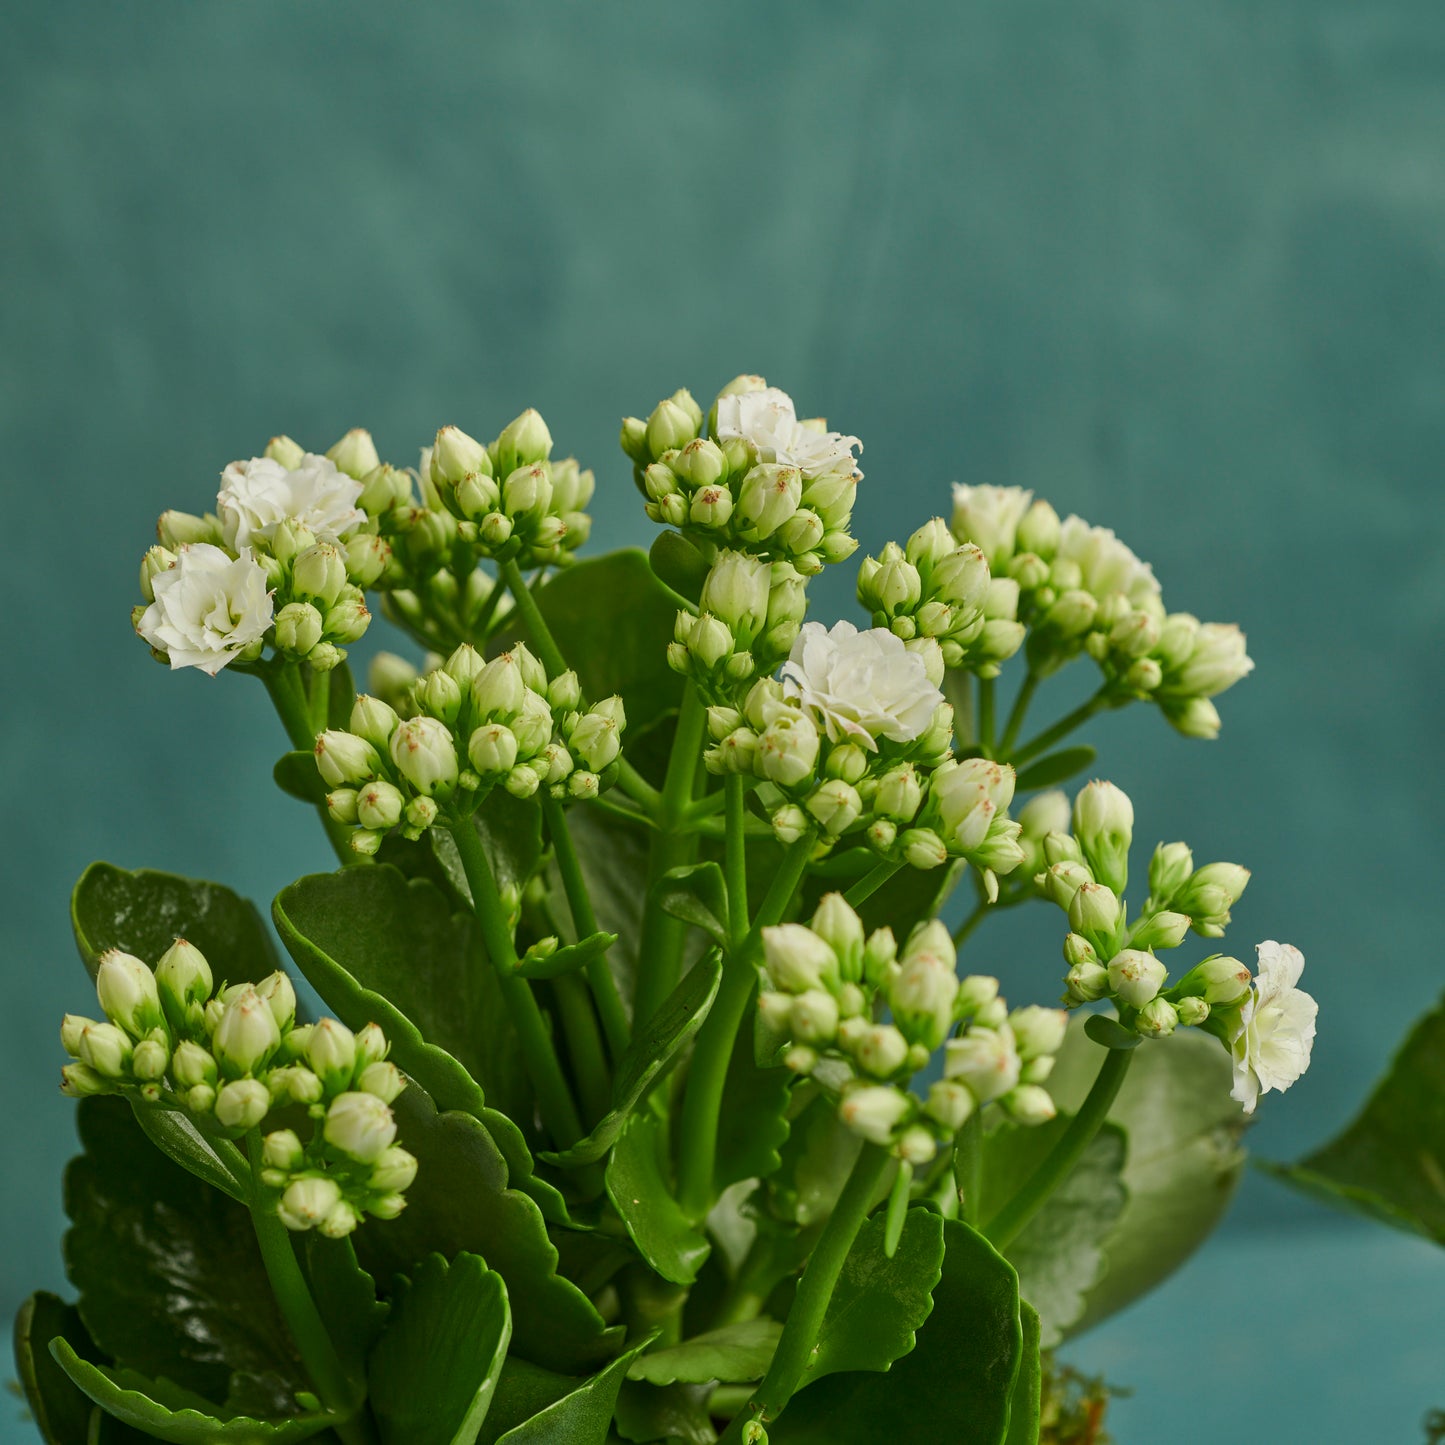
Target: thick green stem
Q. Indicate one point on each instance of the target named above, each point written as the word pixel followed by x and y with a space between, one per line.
pixel 736 857
pixel 533 620
pixel 815 1289
pixel 965 928
pixel 584 922
pixel 986 689
pixel 584 1045
pixel 1061 729
pixel 288 697
pixel 559 1113
pixel 1018 712
pixel 333 1388
pixel 319 701
pixel 968 1166
pixel 707 1074
pixel 637 787
pixel 1059 1163
pixel 870 883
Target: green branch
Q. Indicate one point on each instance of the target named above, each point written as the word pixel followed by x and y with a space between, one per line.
pixel 1018 712
pixel 1061 729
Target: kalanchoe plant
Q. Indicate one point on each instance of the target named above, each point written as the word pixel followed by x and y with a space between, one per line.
pixel 657 1103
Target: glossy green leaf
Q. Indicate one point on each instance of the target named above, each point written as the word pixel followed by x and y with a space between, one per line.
pixel 674 1413
pixel 1050 771
pixel 1390 1163
pixel 60 1409
pixel 145 912
pixel 1060 1253
pixel 1184 1157
pixel 652 1052
pixel 570 958
pixel 698 895
pixel 1025 1406
pixel 345 1296
pixel 213 1159
pixel 461 1202
pixel 167 1412
pixel 955 1384
pixel 169 1273
pixel 909 897
pixel 816 1163
pixel 297 776
pixel 642 1195
pixel 435 1366
pixel 1109 1033
pixel 734 1354
pixel 879 1303
pixel 680 563
pixel 534 1407
pixel 753 1123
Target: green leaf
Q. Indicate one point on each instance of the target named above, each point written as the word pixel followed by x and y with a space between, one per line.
pixel 698 895
pixel 675 1413
pixel 436 1364
pixel 570 958
pixel 909 897
pixel 753 1126
pixel 461 1202
pixel 642 1196
pixel 1390 1163
pixel 1049 771
pixel 166 1412
pixel 62 1412
pixel 680 563
pixel 145 912
pixel 1109 1033
pixel 735 1354
pixel 816 1163
pixel 546 1409
pixel 215 1161
pixel 879 1303
pixel 954 1385
pixel 346 1299
pixel 1025 1407
pixel 652 1052
pixel 1059 1254
pixel 1184 1157
pixel 170 1276
pixel 297 776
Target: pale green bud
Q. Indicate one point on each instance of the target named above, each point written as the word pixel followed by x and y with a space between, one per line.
pixel 379 806
pixel 498 690
pixel 420 814
pixel 874 1111
pixel 985 1060
pixel 308 1201
pixel 565 692
pixel 813 1017
pixel 1192 1011
pixel 836 806
pixel 633 440
pixel 1169 870
pixel 711 642
pixel 127 992
pixel 930 544
pixel 1087 981
pixel 455 455
pixel 325 656
pixel 107 1049
pixel 1094 912
pixel 527 492
pixel 961 579
pixel 355 454
pixel 319 574
pixel 425 755
pixel 522 781
pixel 710 507
pixel 348 620
pixel 797 959
pixel 492 749
pixel 385 488
pixel 1220 981
pixel 880 954
pixel 770 494
pixel 659 482
pixel 361 1126
pixel 192 1065
pixel 183 979
pixel 288 453
pixel 343 759
pixel 1217 661
pixel 881 1050
pixel 1104 829
pixel 1038 1031
pixel 1195 717
pixel 899 794
pixel 495 529
pixel 175 530
pixel 1029 1105
pixel 280 998
pixel 594 740
pixel 331 1052
pixel 478 496
pixel 923 848
pixel 295 1084
pixel 801 1059
pixel 1144 675
pixel 922 997
pixel 1136 976
pixel 79 1081
pixel 554 763
pixel 247 1034
pixel 831 497
pixel 72 1029
pixel 1062 881
pixel 788 749
pixel 737 589
pixel 736 753
pixel 1161 930
pixel 893 587
pixel 439 694
pixel 916 1146
pixel 1039 529
pixel 382 1079
pixel 669 428
pixel 583 785
pixel 242 1104
pixel 157 560
pixel 371 1045
pixel 341 804
pixel 281 1149
pixel 950 1103
pixel 1157 1019
pixel 394 1171
pixel 702 464
pixel 532 725
pixel 367 556
pixel 976 992
pixel 840 927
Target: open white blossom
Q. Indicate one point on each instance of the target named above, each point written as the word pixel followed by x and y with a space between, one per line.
pixel 1271 1046
pixel 989 517
pixel 208 608
pixel 767 420
pixel 1108 565
pixel 258 495
pixel 860 685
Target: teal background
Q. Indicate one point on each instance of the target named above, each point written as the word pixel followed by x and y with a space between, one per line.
pixel 1179 267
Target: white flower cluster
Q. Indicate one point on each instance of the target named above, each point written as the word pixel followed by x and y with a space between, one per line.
pixel 1083 590
pixel 824 986
pixel 463 728
pixel 762 482
pixel 230 1059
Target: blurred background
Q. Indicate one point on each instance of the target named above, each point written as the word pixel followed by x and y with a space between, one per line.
pixel 1180 268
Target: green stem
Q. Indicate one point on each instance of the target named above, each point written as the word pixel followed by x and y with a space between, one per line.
pixel 319 699
pixel 968 1166
pixel 637 787
pixel 533 620
pixel 870 883
pixel 707 1074
pixel 584 923
pixel 965 928
pixel 584 1045
pixel 480 626
pixel 815 1289
pixel 1059 1163
pixel 1019 711
pixel 1061 729
pixel 559 1113
pixel 736 857
pixel 288 697
pixel 986 690
pixel 303 1319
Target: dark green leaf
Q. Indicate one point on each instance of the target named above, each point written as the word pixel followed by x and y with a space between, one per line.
pixel 297 776
pixel 170 1275
pixel 345 1296
pixel 955 1384
pixel 698 895
pixel 642 1196
pixel 570 958
pixel 461 1202
pixel 1109 1033
pixel 680 563
pixel 145 912
pixel 1024 1408
pixel 909 897
pixel 1049 771
pixel 675 1413
pixel 216 1161
pixel 1184 1157
pixel 534 1407
pixel 735 1354
pixel 816 1163
pixel 1059 1254
pixel 753 1125
pixel 879 1303
pixel 1390 1163
pixel 436 1364
pixel 62 1412
pixel 652 1052
pixel 170 1413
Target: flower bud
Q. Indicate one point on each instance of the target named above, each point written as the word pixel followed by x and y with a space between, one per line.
pixel 880 954
pixel 492 749
pixel 769 495
pixel 331 1052
pixel 107 1049
pixel 923 848
pixel 922 997
pixel 175 530
pixel 192 1065
pixel 295 1084
pixel 1136 976
pixel 595 741
pixel 498 690
pixel 836 806
pixel 183 979
pixel 1220 981
pixel 281 1149
pixel 1029 1105
pixel 343 759
pixel 308 1201
pixel 874 1111
pixel 242 1104
pixel 1194 717
pixel 702 464
pixel 1104 828
pixel 72 1029
pixel 288 453
pixel 1038 1031
pixel 670 428
pixel 788 749
pixel 1169 871
pixel 710 642
pixel 319 574
pixel 367 557
pixel 522 781
pixel 813 1017
pixel 1217 661
pixel 1161 930
pixel 383 1080
pixel 424 753
pixel 899 794
pixel 79 1081
pixel 950 1103
pixel 1062 881
pixel 341 804
pixel 1039 530
pixel 355 454
pixel 798 960
pixel 983 1059
pixel 1157 1019
pixel 247 1034
pixel 379 806
pixel 127 992
pixel 1192 1011
pixel 737 589
pixel 1095 913
pixel 360 1126
pixel 157 560
pixel 455 455
pixel 394 1171
pixel 836 923
pixel 1087 981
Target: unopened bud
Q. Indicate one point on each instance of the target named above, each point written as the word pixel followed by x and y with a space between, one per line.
pixel 281 1149
pixel 1219 981
pixel 384 1080
pixel 183 979
pixel 361 1126
pixel 798 960
pixel 247 1034
pixel 874 1111
pixel 1029 1105
pixel 1038 1031
pixel 192 1065
pixel 343 759
pixel 107 1049
pixel 242 1104
pixel 424 753
pixel 308 1201
pixel 1087 982
pixel 331 1052
pixel 1136 976
pixel 127 992
pixel 983 1059
pixel 1104 828
pixel 1157 1019
pixel 1161 930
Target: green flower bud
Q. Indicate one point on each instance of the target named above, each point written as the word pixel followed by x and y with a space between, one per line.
pixel 498 690
pixel 659 482
pixel 1195 717
pixel 371 1046
pixel 801 532
pixel 703 465
pixel 201 1098
pixel 331 1052
pixel 923 848
pixel 242 1104
pixel 1038 1031
pixel 246 1035
pixel 394 1171
pixel 106 1049
pixel 348 620
pixel 836 806
pixel 874 1111
pixel 1095 913
pixel 492 749
pixel 737 589
pixel 420 814
pixel 175 530
pixel 1169 871
pixel 522 781
pixel 891 585
pixel 439 695
pixel 79 1081
pixel 881 1050
pixel 295 1084
pixel 324 656
pixel 1216 661
pixel 72 1029
pixel 564 692
pixel 183 980
pixel 425 755
pixel 976 992
pixel 379 806
pixel 1157 1019
pixel 192 1065
pixel 922 997
pixel 899 794
pixel 341 804
pixel 1136 976
pixel 1192 1011
pixel 1220 981
pixel 1029 1105
pixel 478 496
pixel 1161 930
pixel 360 1126
pixel 280 998
pixel 769 495
pixel 669 428
pixel 319 574
pixel 308 1201
pixel 1039 530
pixel 367 556
pixel 343 759
pixel 157 560
pixel 711 642
pixel 813 1017
pixel 594 740
pixel 527 492
pixel 983 1059
pixel 633 440
pixel 288 453
pixel 1104 829
pixel 355 454
pixel 282 1150
pixel 788 749
pixel 1062 881
pixel 381 1079
pixel 798 960
pixel 1078 949
pixel 1087 981
pixel 127 992
pixel 455 456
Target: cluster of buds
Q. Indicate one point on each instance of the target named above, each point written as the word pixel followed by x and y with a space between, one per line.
pixel 1083 590
pixel 825 986
pixel 229 1057
pixel 507 500
pixel 936 587
pixel 460 730
pixel 763 481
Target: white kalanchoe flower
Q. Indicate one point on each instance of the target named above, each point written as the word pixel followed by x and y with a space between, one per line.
pixel 768 422
pixel 1106 565
pixel 258 495
pixel 860 685
pixel 989 517
pixel 208 609
pixel 1276 1031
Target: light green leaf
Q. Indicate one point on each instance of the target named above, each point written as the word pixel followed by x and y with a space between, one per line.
pixel 680 563
pixel 642 1196
pixel 698 895
pixel 735 1354
pixel 570 958
pixel 1025 1407
pixel 435 1366
pixel 297 776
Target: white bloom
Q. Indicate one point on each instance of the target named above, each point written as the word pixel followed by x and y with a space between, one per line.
pixel 767 421
pixel 862 685
pixel 989 517
pixel 1276 1030
pixel 208 607
pixel 257 496
pixel 1107 565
